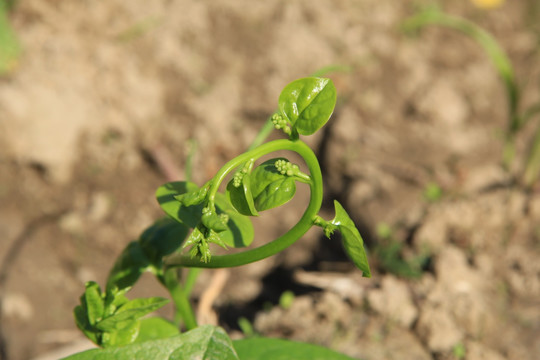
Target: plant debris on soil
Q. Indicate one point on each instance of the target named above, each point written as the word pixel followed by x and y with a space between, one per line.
pixel 102 91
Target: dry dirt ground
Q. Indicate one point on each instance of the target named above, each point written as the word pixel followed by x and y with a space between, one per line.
pixel 105 90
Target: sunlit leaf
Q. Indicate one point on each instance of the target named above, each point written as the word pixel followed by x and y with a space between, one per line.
pixel 93 302
pixel 351 239
pixel 269 187
pixel 189 215
pixel 239 231
pixel 156 328
pixel 308 103
pixel 132 310
pixel 276 194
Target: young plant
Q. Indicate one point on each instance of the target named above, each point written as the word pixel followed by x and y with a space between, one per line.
pixel 200 218
pixel 9 45
pixel 517 118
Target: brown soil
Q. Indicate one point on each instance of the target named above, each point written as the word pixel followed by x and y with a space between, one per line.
pixel 103 89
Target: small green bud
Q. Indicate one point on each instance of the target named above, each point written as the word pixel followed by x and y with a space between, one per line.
pixel 280 123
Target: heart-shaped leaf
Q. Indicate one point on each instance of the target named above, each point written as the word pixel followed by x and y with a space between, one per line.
pixel 269 187
pixel 351 239
pixel 276 194
pixel 308 103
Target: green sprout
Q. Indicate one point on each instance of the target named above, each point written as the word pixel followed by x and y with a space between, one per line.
pixel 517 118
pixel 199 218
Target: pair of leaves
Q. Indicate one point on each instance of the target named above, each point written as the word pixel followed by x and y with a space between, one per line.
pixel 210 343
pixel 110 319
pixel 351 239
pixel 308 103
pixel 238 231
pixel 265 188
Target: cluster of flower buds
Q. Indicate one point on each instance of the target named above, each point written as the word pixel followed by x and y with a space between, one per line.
pixel 286 167
pixel 280 123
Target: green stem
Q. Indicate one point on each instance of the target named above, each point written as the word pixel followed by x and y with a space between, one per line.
pixel 191 278
pixel 284 241
pixel 184 310
pixel 495 53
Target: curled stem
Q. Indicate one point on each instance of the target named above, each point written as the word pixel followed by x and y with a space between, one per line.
pixel 282 242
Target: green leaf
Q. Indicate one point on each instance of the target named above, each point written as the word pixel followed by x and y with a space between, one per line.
pixel 209 343
pixel 351 239
pixel 276 194
pixel 128 267
pixel 163 238
pixel 308 103
pixel 239 231
pixel 276 349
pixel 188 215
pixel 93 302
pixel 127 334
pixel 130 311
pixel 156 328
pixel 205 342
pixel 241 197
pixel 81 319
pixel 269 187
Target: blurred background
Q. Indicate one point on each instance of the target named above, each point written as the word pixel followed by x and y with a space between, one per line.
pixel 102 101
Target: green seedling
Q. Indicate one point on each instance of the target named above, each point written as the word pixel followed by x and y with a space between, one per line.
pixel 517 118
pixel 199 218
pixel 389 255
pixel 432 192
pixel 10 48
pixel 286 299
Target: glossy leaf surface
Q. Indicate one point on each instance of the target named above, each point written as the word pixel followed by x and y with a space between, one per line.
pixel 269 187
pixel 203 343
pixel 277 349
pixel 351 239
pixel 276 194
pixel 308 103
